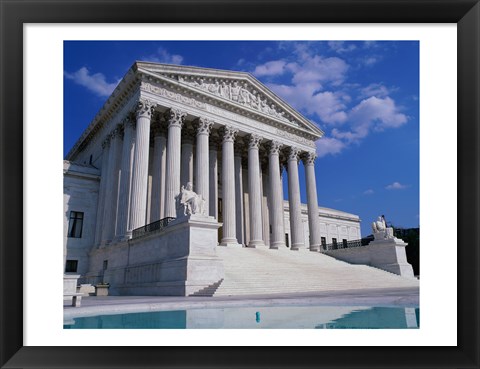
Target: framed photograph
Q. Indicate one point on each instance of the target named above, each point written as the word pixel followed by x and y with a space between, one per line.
pixel 19 228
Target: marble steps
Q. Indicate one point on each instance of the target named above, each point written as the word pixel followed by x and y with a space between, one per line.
pixel 261 271
pixel 209 290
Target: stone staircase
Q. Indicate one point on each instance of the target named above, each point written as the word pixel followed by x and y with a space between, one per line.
pixel 209 290
pixel 251 271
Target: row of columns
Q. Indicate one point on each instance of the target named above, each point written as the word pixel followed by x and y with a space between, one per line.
pixel 131 162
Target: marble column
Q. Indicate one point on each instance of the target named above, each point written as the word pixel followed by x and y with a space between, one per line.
pixel 204 127
pixel 138 199
pixel 213 180
pixel 102 190
pixel 158 172
pixel 125 177
pixel 296 227
pixel 238 151
pixel 186 168
pixel 312 201
pixel 255 199
pixel 175 120
pixel 228 187
pixel 276 195
pixel 111 193
pixel 265 202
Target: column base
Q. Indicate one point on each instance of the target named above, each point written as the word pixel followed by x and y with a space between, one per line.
pixel 256 243
pixel 298 247
pixel 229 242
pixel 277 245
pixel 315 248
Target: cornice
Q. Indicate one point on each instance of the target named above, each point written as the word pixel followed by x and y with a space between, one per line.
pixel 189 89
pixel 138 75
pixel 116 101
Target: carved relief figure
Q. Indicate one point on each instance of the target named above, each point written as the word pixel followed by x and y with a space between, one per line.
pixel 225 90
pixel 199 84
pixel 244 95
pixel 191 201
pixel 214 88
pixel 264 106
pixel 255 100
pixel 235 91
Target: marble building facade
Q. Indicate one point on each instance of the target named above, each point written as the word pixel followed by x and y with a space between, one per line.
pixel 223 131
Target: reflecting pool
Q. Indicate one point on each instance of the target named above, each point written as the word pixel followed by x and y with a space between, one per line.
pixel 309 317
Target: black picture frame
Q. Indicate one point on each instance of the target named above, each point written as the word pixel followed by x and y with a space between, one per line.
pixel 466 13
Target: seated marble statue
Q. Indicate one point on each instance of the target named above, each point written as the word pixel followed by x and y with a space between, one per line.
pixel 191 201
pixel 379 225
pixel 380 229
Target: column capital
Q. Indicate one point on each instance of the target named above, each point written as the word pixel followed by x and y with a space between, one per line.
pixel 229 133
pixel 175 117
pixel 106 141
pixel 274 147
pixel 203 126
pixel 309 157
pixel 254 141
pixel 145 108
pixel 293 153
pixel 129 120
pixel 117 131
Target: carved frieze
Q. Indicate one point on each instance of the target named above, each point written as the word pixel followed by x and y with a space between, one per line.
pixel 239 92
pixel 148 87
pixel 294 137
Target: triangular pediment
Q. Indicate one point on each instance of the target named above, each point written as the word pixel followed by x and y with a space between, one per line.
pixel 238 88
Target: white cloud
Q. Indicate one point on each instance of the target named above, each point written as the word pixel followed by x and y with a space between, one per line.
pixel 370 114
pixel 163 56
pixel 341 46
pixel 368 61
pixel 369 192
pixel 93 82
pixel 383 113
pixel 370 44
pixel 321 69
pixel 396 186
pixel 374 89
pixel 329 146
pixel 271 68
pixel 318 87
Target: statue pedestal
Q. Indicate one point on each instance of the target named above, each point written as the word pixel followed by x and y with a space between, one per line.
pixel 178 261
pixel 383 253
pixel 69 286
pixel 389 254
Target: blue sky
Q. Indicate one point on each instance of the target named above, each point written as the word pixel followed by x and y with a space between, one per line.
pixel 363 95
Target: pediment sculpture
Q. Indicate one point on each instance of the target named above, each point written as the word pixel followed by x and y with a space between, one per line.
pixel 239 92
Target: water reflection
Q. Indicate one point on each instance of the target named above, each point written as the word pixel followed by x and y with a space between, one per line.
pixel 309 317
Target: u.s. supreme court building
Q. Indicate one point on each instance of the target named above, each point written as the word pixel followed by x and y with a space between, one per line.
pixel 164 129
